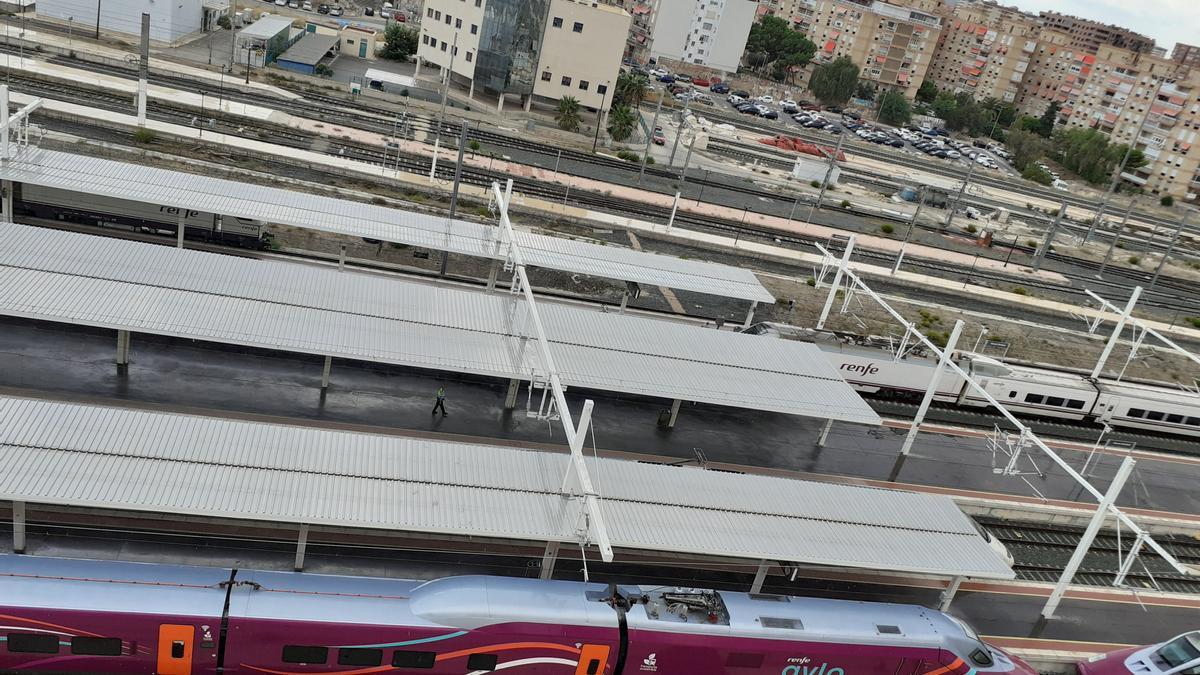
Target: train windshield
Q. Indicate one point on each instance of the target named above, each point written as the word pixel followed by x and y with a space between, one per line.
pixel 981 656
pixel 1180 651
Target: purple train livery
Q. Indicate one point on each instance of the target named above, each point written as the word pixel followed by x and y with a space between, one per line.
pixel 1177 656
pixel 83 616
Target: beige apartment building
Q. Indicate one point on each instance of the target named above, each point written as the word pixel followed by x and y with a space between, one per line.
pixel 1152 99
pixel 1056 74
pixel 985 50
pixel 1088 36
pixel 528 48
pixel 1186 55
pixel 893 43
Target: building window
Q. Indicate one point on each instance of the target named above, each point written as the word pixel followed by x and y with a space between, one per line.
pixel 557 22
pixel 474 29
pixel 546 76
pixel 578 27
pixel 429 12
pixel 469 58
pixel 602 89
pixel 566 81
pixel 437 16
pixel 454 51
pixel 478 3
pixel 458 23
pixel 447 19
pixel 583 85
pixel 444 45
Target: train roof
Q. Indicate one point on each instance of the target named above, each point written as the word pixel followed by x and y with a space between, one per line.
pixel 1164 393
pixel 306 596
pixel 110 586
pixel 1048 377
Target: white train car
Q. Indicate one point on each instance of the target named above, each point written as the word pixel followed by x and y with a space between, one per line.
pixel 872 371
pixel 1032 391
pixel 1132 405
pixel 77 207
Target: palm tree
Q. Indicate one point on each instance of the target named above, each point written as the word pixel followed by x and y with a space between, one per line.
pixel 631 89
pixel 568 114
pixel 621 121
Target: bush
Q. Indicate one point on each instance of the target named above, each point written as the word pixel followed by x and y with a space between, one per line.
pixel 1167 200
pixel 1037 174
pixel 224 22
pixel 483 212
pixel 972 229
pixel 378 201
pixel 1134 260
pixel 649 160
pixel 1195 321
pixel 629 156
pixel 1031 243
pixel 1021 290
pixel 474 146
pixel 815 183
pixel 810 281
pixel 845 203
pixel 144 136
pixel 887 228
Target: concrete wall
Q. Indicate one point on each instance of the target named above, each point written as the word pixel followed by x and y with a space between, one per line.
pixel 170 20
pixel 436 28
pixel 732 31
pixel 672 22
pixel 592 56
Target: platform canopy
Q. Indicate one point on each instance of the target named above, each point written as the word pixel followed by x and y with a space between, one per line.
pixel 104 177
pixel 90 456
pixel 88 280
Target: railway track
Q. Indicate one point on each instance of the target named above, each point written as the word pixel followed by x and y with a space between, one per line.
pixel 1040 553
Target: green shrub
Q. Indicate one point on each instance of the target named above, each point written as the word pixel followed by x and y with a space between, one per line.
pixel 1037 174
pixel 1021 290
pixel 649 160
pixel 815 183
pixel 144 136
pixel 1195 321
pixel 483 212
pixel 845 203
pixel 1167 200
pixel 972 229
pixel 887 228
pixel 474 146
pixel 1134 260
pixel 378 201
pixel 1031 243
pixel 810 281
pixel 629 156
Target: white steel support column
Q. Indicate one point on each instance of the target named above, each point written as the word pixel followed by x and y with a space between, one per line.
pixel 909 438
pixel 674 413
pixel 760 576
pixel 674 208
pixel 750 315
pixel 837 280
pixel 624 302
pixel 122 348
pixel 342 259
pixel 1130 558
pixel 492 273
pixel 549 557
pixel 950 592
pixel 180 228
pixel 578 481
pixel 510 398
pixel 825 433
pixel 1116 334
pixel 1089 535
pixel 325 372
pixel 18 517
pixel 301 546
pixel 6 188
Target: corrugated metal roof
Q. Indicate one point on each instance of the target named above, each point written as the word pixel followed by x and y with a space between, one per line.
pixel 151 185
pixel 99 281
pixel 94 456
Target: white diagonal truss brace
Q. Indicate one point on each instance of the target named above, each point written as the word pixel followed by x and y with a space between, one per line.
pixel 577 481
pixel 18 120
pixel 1128 317
pixel 856 282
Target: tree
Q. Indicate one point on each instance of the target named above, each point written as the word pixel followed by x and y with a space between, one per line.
pixel 1167 200
pixel 775 47
pixel 894 108
pixel 630 90
pixel 927 92
pixel 1037 174
pixel 621 121
pixel 399 43
pixel 224 22
pixel 567 114
pixel 1089 153
pixel 833 83
pixel 865 91
pixel 1048 119
pixel 1026 147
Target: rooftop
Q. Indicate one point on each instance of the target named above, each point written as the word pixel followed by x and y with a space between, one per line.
pixel 310 49
pixel 266 28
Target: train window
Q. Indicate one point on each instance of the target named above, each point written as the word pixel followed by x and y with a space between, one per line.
pixel 302 654
pixel 772 622
pixel 888 630
pixel 981 657
pixel 742 660
pixel 482 662
pixel 360 657
pixel 1175 419
pixel 593 667
pixel 414 659
pixel 1056 401
pixel 1154 415
pixel 1034 398
pixel 1193 421
pixel 1136 412
pixel 1012 394
pixel 33 643
pixel 1074 404
pixel 96 646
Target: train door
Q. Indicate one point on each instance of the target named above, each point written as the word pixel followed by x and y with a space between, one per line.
pixel 175 649
pixel 592 660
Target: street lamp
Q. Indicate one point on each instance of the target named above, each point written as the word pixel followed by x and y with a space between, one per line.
pixel 600 114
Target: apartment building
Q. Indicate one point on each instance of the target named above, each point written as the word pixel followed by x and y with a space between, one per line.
pixel 985 49
pixel 1186 55
pixel 799 13
pixel 527 48
pixel 1056 74
pixel 894 43
pixel 1089 36
pixel 709 33
pixel 1152 102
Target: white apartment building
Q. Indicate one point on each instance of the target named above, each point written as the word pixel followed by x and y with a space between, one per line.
pixel 709 33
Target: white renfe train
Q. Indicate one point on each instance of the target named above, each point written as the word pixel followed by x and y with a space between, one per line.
pixel 1022 390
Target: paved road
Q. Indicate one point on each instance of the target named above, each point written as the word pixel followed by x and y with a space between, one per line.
pixel 55 358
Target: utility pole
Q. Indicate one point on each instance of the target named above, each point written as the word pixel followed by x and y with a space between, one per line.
pixel 686 160
pixel 825 181
pixel 650 136
pixel 233 42
pixel 1045 247
pixel 1116 238
pixel 912 223
pixel 600 116
pixel 1170 247
pixel 682 122
pixel 462 145
pixel 98 18
pixel 958 197
pixel 437 141
pixel 144 73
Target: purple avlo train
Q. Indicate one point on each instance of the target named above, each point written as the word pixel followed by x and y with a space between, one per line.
pixel 81 616
pixel 1177 656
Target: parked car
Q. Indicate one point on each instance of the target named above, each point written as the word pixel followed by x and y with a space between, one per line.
pixel 658 72
pixel 701 81
pixel 366 12
pixel 306 6
pixel 835 109
pixel 897 143
pixel 768 113
pixel 747 108
pixel 683 77
pixel 337 10
pixel 719 88
pixel 667 79
pixel 659 137
pixel 294 4
pixel 972 213
pixel 399 18
pixel 833 129
pixel 743 93
pixel 322 8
